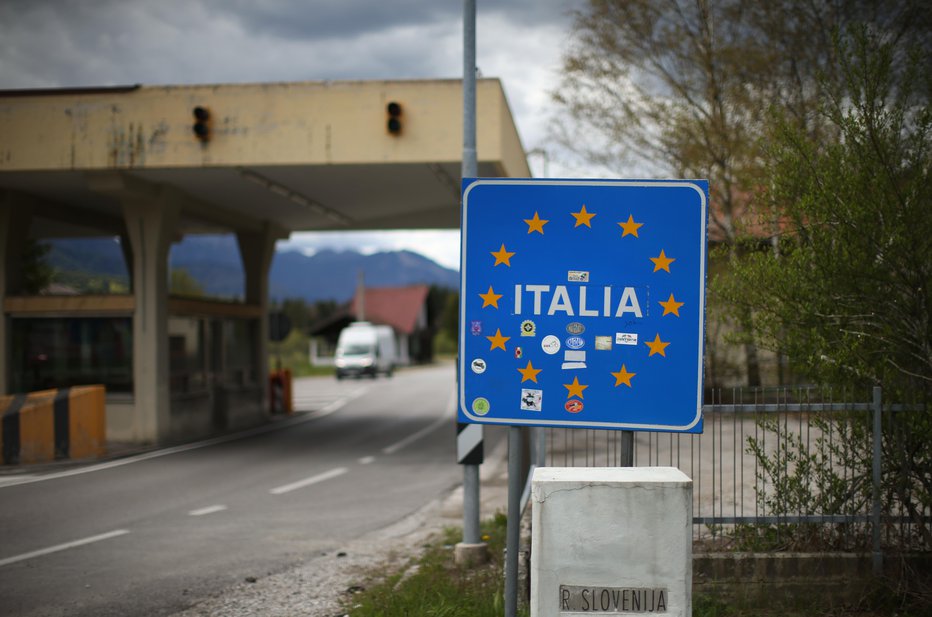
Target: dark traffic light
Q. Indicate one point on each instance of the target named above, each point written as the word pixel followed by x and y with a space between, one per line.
pixel 201 125
pixel 394 118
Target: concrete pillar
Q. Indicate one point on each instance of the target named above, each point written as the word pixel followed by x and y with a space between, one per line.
pixel 15 224
pixel 14 233
pixel 611 539
pixel 151 223
pixel 257 248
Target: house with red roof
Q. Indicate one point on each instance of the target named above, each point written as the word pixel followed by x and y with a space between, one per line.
pixel 404 309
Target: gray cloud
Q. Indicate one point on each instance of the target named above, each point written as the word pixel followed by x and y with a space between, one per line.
pixel 75 43
pixel 49 43
pixel 293 19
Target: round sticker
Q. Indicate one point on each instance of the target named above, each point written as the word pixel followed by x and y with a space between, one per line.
pixel 480 406
pixel 573 406
pixel 550 344
pixel 575 328
pixel 478 366
pixel 575 342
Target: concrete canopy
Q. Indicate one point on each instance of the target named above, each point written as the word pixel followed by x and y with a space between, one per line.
pixel 297 156
pixel 270 159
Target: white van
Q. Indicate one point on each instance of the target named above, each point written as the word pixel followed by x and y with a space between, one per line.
pixel 365 349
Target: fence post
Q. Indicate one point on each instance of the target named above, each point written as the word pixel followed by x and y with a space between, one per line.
pixel 540 446
pixel 877 561
pixel 627 448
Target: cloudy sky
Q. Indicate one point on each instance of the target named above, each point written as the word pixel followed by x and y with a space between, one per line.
pixel 70 43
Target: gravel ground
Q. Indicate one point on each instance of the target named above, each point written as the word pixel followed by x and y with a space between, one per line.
pixel 323 585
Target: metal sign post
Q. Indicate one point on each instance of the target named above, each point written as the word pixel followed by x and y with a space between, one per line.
pixel 469 438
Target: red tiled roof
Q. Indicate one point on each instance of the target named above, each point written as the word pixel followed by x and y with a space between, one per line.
pixel 397 307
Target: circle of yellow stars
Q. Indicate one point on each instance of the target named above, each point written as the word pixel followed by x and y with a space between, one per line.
pixel 581 218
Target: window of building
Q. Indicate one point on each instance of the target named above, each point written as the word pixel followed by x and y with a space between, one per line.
pixel 71 351
pixel 187 355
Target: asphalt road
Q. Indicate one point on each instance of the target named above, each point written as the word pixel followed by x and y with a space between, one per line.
pixel 153 534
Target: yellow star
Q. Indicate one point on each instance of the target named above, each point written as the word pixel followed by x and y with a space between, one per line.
pixel 662 262
pixel 575 388
pixel 623 377
pixel 502 256
pixel 536 223
pixel 630 227
pixel 490 298
pixel 583 217
pixel 529 372
pixel 670 306
pixel 498 340
pixel 657 346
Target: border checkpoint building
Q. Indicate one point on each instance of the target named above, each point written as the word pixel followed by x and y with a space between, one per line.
pixel 147 165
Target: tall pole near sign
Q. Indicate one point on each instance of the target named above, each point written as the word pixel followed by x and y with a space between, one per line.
pixel 471 536
pixel 470 168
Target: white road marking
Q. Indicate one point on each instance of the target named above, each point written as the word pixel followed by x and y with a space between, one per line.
pixel 207 510
pixel 366 460
pixel 395 447
pixel 340 402
pixel 325 411
pixel 327 475
pixel 16 479
pixel 62 547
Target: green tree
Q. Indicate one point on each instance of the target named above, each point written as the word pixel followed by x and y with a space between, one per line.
pixel 298 312
pixel 848 294
pixel 450 321
pixel 447 337
pixel 680 88
pixel 322 310
pixel 37 273
pixel 183 284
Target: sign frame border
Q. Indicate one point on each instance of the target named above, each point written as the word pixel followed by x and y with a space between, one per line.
pixel 469 184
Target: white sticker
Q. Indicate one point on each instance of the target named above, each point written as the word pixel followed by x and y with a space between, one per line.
pixel 603 342
pixel 532 400
pixel 550 344
pixel 626 338
pixel 573 360
pixel 577 276
pixel 478 366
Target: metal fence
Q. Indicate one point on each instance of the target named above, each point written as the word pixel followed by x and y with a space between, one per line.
pixel 774 469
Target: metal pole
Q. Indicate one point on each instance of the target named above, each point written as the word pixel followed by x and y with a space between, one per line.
pixel 471 504
pixel 877 561
pixel 540 446
pixel 470 472
pixel 514 521
pixel 627 448
pixel 469 169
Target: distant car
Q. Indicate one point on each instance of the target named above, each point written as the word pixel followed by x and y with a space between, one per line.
pixel 365 349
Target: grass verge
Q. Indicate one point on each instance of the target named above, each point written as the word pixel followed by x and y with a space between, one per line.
pixel 433 586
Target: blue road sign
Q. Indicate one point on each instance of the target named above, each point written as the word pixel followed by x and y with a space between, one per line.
pixel 582 303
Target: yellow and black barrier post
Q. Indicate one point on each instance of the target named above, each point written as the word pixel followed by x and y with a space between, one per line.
pixel 53 424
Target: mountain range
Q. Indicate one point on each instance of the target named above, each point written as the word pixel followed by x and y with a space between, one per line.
pixel 214 263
